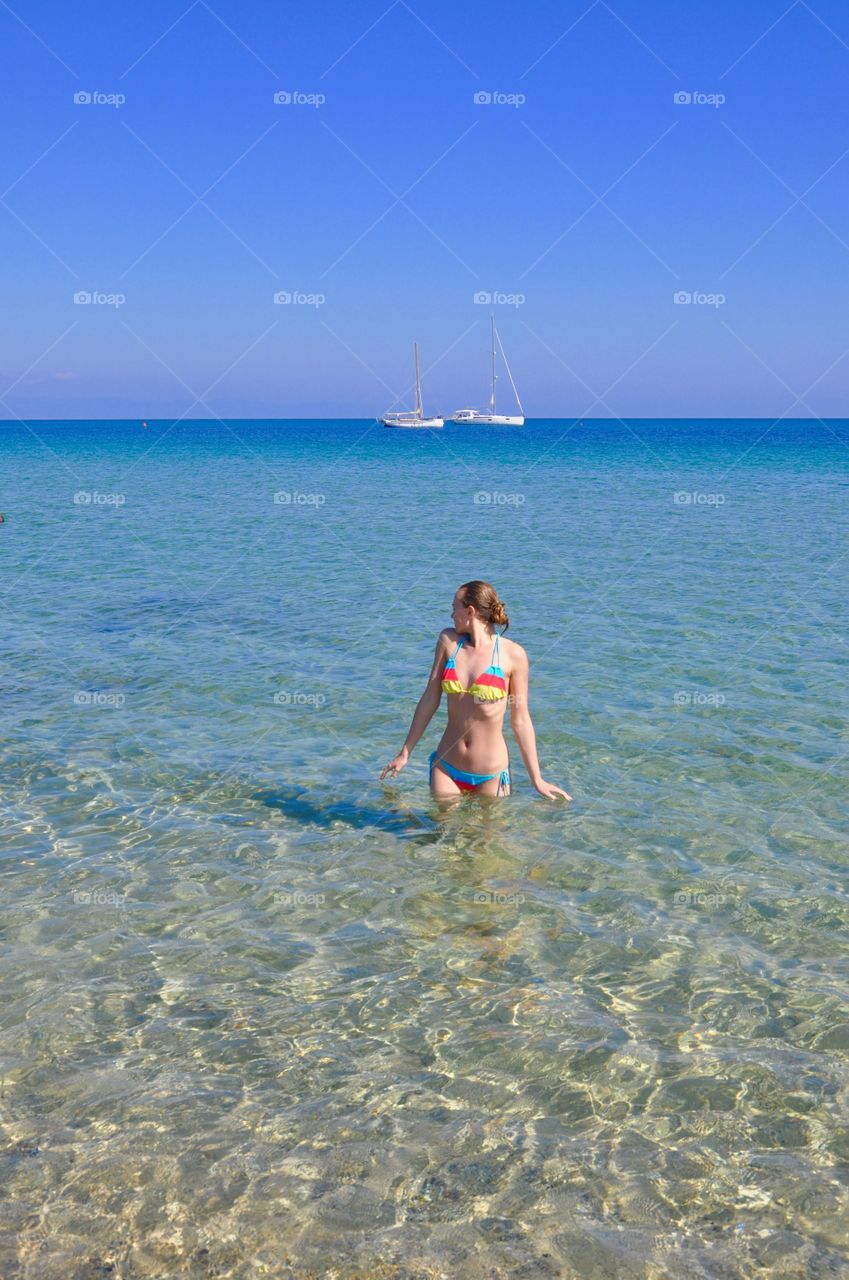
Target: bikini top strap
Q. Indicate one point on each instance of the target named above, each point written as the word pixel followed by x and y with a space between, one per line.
pixel 457 650
pixel 495 652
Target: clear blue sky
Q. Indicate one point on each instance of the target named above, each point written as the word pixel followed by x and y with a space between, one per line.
pixel 499 197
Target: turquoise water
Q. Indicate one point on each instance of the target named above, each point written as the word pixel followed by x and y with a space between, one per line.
pixel 263 1015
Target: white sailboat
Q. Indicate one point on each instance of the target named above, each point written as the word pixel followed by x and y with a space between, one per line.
pixel 414 418
pixel 491 417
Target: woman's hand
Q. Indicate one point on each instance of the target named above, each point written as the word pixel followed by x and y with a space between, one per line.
pixel 548 790
pixel 396 765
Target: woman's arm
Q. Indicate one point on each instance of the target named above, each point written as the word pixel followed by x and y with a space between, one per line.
pixel 522 726
pixel 425 709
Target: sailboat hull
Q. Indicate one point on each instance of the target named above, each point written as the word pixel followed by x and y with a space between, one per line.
pixel 490 419
pixel 391 421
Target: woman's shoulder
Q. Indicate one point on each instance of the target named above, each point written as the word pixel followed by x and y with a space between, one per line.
pixel 447 638
pixel 512 650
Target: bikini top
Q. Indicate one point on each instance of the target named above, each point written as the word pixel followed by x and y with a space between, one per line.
pixel 489 687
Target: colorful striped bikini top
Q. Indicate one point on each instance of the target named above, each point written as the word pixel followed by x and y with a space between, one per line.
pixel 488 687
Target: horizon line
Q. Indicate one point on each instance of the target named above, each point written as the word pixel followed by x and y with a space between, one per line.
pixel 18 421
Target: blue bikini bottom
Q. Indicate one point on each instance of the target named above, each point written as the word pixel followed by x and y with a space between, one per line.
pixel 470 781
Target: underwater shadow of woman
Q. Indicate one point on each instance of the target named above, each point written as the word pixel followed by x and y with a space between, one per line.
pixel 297 803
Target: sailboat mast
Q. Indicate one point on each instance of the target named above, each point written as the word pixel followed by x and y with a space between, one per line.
pixel 418 383
pixel 494 375
pixel 509 374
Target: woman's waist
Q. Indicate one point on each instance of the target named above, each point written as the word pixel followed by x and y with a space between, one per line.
pixel 477 753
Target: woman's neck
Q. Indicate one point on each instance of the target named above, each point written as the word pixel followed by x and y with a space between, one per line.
pixel 480 636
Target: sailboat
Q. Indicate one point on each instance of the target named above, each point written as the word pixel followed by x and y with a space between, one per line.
pixel 473 417
pixel 414 418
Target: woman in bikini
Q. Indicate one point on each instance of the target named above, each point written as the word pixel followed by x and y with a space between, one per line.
pixel 473 737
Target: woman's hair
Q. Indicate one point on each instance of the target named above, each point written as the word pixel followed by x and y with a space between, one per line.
pixel 485 599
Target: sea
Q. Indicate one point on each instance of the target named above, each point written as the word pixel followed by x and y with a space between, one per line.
pixel 264 1015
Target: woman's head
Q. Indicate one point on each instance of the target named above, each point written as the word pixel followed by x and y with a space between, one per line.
pixel 478 599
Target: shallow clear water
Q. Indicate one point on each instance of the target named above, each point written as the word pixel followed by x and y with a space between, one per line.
pixel 263 1015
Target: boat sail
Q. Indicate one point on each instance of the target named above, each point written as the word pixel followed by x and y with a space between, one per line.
pixel 415 418
pixel 492 417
